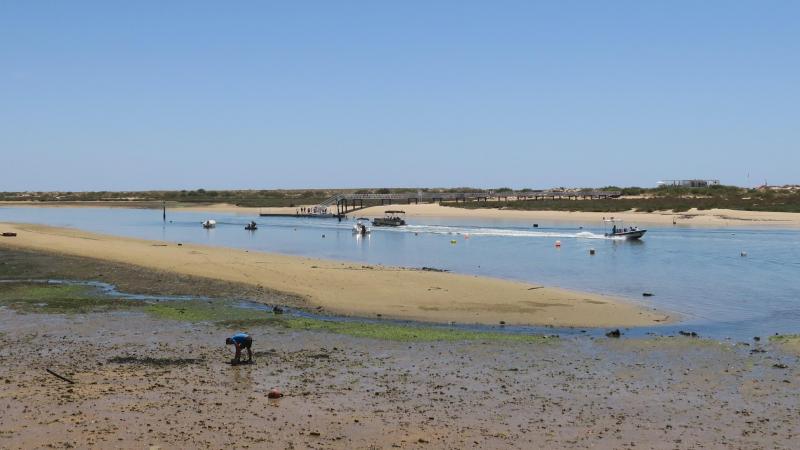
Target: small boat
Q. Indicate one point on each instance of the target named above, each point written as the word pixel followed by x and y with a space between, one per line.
pixel 392 219
pixel 209 223
pixel 251 226
pixel 618 229
pixel 360 229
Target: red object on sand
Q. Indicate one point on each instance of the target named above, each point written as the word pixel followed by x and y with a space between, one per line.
pixel 275 393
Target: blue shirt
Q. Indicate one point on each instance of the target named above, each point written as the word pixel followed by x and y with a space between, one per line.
pixel 239 338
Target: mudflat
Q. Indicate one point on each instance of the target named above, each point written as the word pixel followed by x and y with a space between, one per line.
pixel 143 380
pixel 140 382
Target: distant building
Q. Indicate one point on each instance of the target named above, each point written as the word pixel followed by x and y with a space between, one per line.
pixel 688 183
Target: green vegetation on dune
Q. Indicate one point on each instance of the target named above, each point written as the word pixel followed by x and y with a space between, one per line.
pixel 250 198
pixel 666 198
pixel 256 198
pixel 662 199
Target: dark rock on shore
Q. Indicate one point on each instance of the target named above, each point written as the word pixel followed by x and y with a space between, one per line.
pixel 433 269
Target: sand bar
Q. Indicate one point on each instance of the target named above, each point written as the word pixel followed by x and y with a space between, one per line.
pixel 351 288
pixel 711 218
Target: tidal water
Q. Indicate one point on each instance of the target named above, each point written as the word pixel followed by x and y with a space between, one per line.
pixel 697 273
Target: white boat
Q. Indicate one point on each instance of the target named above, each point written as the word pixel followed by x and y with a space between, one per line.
pixel 618 229
pixel 361 229
pixel 209 223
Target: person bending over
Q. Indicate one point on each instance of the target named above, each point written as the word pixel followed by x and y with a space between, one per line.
pixel 240 341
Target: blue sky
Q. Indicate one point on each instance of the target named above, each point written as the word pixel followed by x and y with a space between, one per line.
pixel 161 95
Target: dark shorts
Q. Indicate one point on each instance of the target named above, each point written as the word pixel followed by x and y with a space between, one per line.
pixel 248 342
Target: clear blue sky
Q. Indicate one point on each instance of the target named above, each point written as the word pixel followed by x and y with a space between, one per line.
pixel 158 95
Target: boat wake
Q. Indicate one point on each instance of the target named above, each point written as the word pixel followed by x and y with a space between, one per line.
pixel 495 232
pixel 471 231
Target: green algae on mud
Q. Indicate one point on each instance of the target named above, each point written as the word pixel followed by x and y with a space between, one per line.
pixel 782 338
pixel 82 299
pixel 59 299
pixel 788 342
pixel 227 315
pixel 657 343
pixel 388 331
pixel 202 311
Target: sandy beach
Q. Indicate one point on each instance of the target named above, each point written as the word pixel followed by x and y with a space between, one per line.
pixel 711 218
pixel 353 289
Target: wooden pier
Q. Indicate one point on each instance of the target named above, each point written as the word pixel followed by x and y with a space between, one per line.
pixel 347 203
pixel 313 216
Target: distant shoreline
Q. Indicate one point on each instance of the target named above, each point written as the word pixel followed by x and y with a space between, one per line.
pixel 711 218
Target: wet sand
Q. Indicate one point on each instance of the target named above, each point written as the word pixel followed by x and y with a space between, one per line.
pixel 142 382
pixel 133 391
pixel 352 289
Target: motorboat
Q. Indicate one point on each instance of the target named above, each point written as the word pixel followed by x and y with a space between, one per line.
pixel 392 219
pixel 360 229
pixel 251 226
pixel 618 229
pixel 209 223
